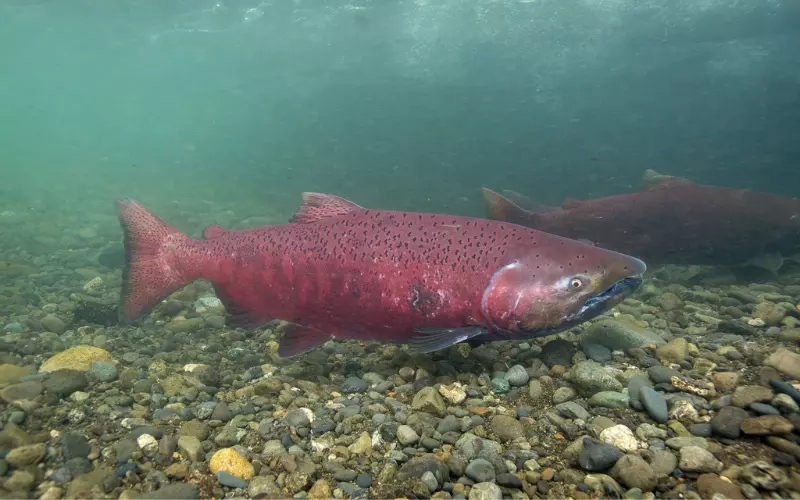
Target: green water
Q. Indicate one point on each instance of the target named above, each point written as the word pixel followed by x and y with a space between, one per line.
pixel 208 106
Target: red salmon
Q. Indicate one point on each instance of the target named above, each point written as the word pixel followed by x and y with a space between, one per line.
pixel 339 271
pixel 673 222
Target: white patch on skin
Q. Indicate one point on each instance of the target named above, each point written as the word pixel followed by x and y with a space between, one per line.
pixel 516 302
pixel 485 297
pixel 563 283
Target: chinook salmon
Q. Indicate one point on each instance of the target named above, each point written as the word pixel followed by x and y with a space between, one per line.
pixel 340 271
pixel 674 221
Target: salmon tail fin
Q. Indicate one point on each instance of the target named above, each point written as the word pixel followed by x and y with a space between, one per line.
pixel 499 207
pixel 156 260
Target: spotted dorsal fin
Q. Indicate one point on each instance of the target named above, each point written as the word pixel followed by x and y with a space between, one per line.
pixel 318 206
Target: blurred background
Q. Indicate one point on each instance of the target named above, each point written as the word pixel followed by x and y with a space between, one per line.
pixel 239 105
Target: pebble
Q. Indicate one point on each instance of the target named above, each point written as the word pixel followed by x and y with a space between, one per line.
pixel 230 480
pixel 485 491
pixel 654 403
pixel 406 435
pixel 230 461
pixel 766 425
pixel 728 422
pixel 500 385
pixel 785 388
pixel 596 352
pixel 506 428
pixel 697 459
pixel 352 385
pixel 620 437
pixel 598 456
pixel 634 472
pixel 429 480
pixel 517 376
pixel 480 470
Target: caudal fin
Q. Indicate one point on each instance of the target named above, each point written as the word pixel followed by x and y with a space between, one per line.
pixel 499 207
pixel 156 259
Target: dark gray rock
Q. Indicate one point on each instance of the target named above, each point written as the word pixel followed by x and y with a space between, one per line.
pixel 764 409
pixel 352 385
pixel 364 480
pixel 661 374
pixel 785 388
pixel 74 446
pixel 222 412
pixel 728 422
pixel 597 456
pixel 655 404
pixel 557 352
pixel 65 382
pixel 480 471
pixel 507 480
pixel 597 352
pixel 635 385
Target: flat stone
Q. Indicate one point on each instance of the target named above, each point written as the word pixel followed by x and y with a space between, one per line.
pixel 744 395
pixel 506 428
pixel 428 400
pixel 785 361
pixel 766 425
pixel 21 391
pixel 620 335
pixel 485 491
pixel 728 422
pixel 711 485
pixel 480 470
pixel 696 459
pixel 634 472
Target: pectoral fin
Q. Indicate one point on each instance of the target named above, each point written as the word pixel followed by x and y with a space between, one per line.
pixel 298 339
pixel 434 339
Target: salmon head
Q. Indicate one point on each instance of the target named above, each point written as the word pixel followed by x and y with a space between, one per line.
pixel 556 284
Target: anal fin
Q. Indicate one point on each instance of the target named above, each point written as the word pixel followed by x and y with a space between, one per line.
pixel 241 315
pixel 435 339
pixel 298 339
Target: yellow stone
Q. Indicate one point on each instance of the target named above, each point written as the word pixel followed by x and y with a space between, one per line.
pixel 78 358
pixel 320 491
pixel 230 461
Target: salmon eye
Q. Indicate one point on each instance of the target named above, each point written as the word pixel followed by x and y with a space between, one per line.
pixel 575 283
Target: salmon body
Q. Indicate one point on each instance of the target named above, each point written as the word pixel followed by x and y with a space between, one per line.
pixel 675 221
pixel 339 271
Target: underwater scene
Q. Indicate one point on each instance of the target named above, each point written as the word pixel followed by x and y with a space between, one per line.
pixel 363 249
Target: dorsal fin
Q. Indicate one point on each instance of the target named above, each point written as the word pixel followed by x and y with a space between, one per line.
pixel 318 206
pixel 214 231
pixel 498 207
pixel 654 180
pixel 571 203
pixel 526 203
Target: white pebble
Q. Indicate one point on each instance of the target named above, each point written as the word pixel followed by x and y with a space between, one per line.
pixel 621 437
pixel 147 443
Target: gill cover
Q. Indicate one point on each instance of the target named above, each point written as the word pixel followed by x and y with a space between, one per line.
pixel 502 297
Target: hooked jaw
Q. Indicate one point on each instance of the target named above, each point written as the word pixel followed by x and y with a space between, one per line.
pixel 524 302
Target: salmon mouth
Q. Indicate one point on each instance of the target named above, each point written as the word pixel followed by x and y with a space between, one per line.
pixel 613 295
